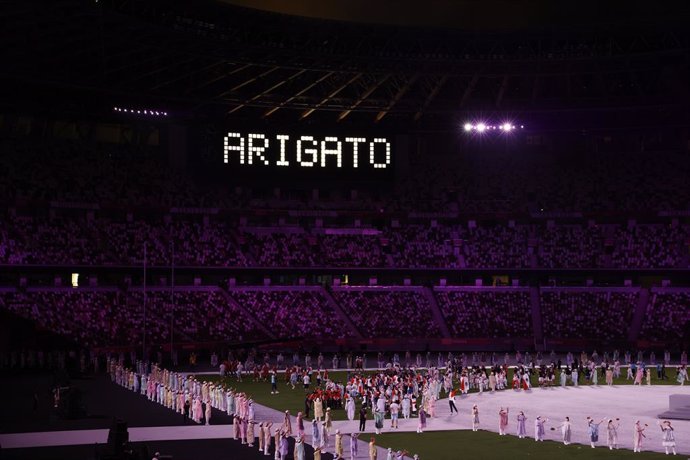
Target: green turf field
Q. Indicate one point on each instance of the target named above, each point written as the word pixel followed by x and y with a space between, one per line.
pixel 293 400
pixel 484 445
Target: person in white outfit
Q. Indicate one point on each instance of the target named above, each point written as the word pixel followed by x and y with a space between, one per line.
pixel 539 428
pixel 612 434
pixel 668 437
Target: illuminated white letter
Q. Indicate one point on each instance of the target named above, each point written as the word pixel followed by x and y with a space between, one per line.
pixel 234 148
pixel 338 151
pixel 281 140
pixel 355 149
pixel 258 150
pixel 372 160
pixel 313 152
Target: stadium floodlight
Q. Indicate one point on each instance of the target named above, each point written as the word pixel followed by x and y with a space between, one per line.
pixel 486 127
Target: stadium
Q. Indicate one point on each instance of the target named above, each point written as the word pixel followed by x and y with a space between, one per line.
pixel 344 229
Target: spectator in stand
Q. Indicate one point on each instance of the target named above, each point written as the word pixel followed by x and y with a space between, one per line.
pixel 387 312
pixel 667 315
pixel 598 314
pixel 486 312
pixel 279 310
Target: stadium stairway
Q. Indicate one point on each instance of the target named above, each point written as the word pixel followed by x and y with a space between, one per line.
pixel 535 302
pixel 436 311
pixel 329 298
pixel 246 311
pixel 462 263
pixel 684 260
pixel 638 316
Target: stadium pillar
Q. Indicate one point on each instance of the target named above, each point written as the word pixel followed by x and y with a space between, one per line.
pixel 176 141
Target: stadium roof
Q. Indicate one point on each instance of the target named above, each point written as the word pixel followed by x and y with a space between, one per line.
pixel 210 59
pixel 476 15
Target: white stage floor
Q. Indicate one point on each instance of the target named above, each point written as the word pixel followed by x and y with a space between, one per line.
pixel 625 402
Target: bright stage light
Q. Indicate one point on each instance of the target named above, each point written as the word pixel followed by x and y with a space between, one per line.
pixel 487 127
